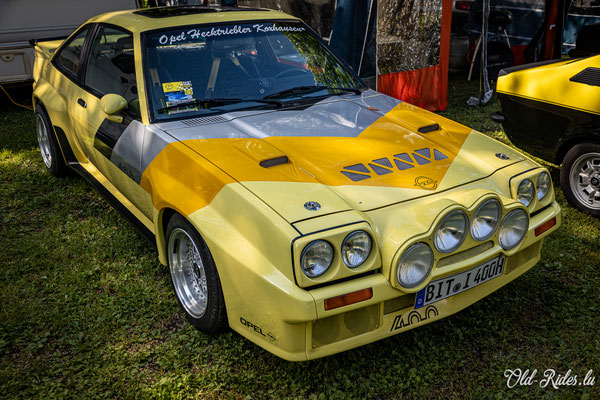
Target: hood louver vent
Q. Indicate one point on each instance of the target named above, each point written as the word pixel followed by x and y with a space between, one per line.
pixel 589 76
pixel 204 120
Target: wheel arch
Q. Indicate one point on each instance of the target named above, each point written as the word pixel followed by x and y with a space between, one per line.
pixel 581 196
pixel 36 101
pixel 161 221
pixel 564 147
pixel 43 89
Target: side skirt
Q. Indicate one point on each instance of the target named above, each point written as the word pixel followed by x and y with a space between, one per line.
pixel 72 162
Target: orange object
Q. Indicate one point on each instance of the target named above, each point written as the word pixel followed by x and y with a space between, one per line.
pixel 426 87
pixel 348 298
pixel 551 23
pixel 545 226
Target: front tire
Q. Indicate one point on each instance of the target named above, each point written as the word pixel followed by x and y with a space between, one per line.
pixel 580 177
pixel 194 276
pixel 51 155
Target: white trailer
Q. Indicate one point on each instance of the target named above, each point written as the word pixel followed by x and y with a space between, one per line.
pixel 25 20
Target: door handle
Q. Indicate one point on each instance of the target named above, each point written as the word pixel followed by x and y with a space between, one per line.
pixel 82 103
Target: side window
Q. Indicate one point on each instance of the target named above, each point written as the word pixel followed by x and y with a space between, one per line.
pixel 111 66
pixel 69 56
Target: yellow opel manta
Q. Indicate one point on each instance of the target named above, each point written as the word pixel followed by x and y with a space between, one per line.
pixel 310 214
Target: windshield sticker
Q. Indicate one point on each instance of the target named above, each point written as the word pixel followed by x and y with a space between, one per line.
pixel 179 93
pixel 195 34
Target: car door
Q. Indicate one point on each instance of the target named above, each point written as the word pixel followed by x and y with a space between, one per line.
pixel 65 80
pixel 113 147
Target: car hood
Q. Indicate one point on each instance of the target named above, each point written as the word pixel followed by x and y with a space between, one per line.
pixel 358 152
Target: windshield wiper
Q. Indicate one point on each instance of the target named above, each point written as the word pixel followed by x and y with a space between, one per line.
pixel 208 103
pixel 311 89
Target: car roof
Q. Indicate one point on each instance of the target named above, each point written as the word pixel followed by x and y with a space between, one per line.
pixel 147 19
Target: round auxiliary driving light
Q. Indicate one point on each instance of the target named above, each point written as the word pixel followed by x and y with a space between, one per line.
pixel 451 231
pixel 316 258
pixel 543 185
pixel 356 248
pixel 525 192
pixel 485 221
pixel 415 265
pixel 513 229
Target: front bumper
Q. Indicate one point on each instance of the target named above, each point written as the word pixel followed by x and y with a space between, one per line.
pixel 389 311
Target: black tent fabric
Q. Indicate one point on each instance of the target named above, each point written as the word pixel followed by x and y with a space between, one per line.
pixel 318 14
pixel 353 37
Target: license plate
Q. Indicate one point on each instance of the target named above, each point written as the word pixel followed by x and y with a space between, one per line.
pixel 449 286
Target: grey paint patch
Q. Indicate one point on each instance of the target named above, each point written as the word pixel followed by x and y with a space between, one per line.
pixel 355 177
pixel 337 116
pixel 358 168
pixel 438 155
pixel 155 140
pixel 127 153
pixel 402 165
pixel 403 162
pixel 383 161
pixel 420 160
pixel 404 157
pixel 379 170
pixel 426 152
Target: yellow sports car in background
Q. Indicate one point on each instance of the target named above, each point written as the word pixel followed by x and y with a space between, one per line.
pixel 309 213
pixel 551 109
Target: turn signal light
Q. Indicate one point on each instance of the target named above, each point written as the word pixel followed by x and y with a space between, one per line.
pixel 348 298
pixel 545 226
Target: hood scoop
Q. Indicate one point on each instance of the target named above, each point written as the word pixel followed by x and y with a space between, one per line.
pixel 271 162
pixel 429 128
pixel 263 153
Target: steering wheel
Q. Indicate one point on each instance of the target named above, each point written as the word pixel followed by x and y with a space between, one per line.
pixel 292 72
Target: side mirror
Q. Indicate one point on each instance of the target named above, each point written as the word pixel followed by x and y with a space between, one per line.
pixel 111 104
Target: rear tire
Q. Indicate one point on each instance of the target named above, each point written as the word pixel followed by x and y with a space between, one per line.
pixel 49 148
pixel 580 177
pixel 194 276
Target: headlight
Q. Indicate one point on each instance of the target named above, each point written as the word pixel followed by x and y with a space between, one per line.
pixel 543 185
pixel 485 220
pixel 513 229
pixel 525 192
pixel 356 248
pixel 316 258
pixel 415 265
pixel 451 232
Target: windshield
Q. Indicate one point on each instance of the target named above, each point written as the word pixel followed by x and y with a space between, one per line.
pixel 198 70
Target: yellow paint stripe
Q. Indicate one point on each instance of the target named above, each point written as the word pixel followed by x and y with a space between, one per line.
pixel 325 157
pixel 178 178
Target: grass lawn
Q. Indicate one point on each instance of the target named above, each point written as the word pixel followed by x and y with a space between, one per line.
pixel 87 311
